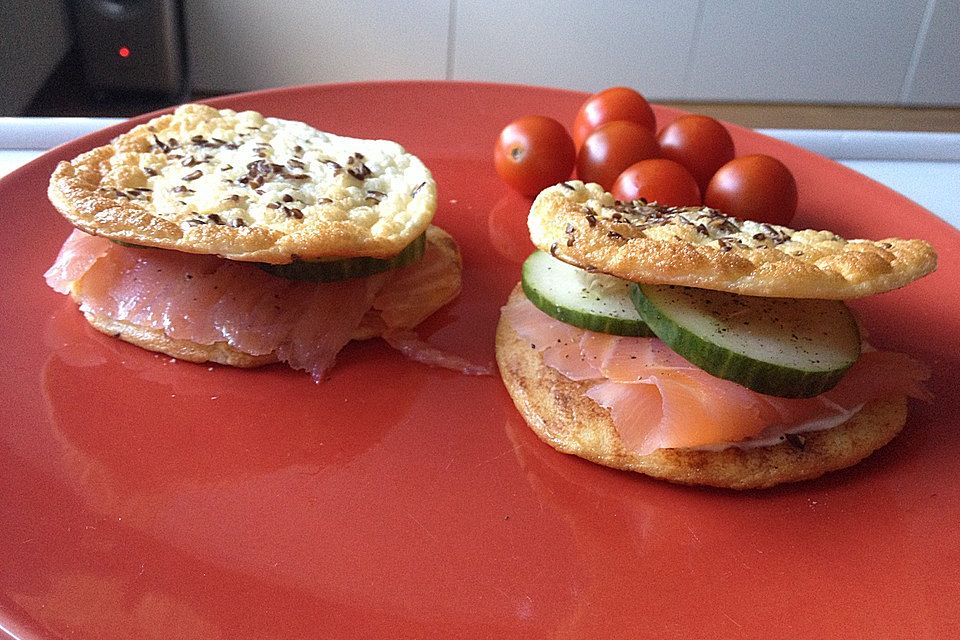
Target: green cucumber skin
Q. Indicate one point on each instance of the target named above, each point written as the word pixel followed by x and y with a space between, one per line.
pixel 347 268
pixel 581 319
pixel 762 377
pixel 129 245
pixel 610 326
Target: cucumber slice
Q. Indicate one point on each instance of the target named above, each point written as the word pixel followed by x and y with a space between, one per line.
pixel 346 268
pixel 594 301
pixel 777 346
pixel 129 245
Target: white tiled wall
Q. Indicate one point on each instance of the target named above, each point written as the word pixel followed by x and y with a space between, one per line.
pixel 253 44
pixel 935 73
pixel 803 51
pixel 578 45
pixel 846 51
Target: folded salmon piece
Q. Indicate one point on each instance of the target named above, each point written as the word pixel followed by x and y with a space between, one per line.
pixel 658 400
pixel 203 300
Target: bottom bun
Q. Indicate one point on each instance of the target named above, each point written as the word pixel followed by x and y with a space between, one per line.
pixel 157 340
pixel 560 413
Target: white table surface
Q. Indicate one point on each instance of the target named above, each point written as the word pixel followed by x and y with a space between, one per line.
pixel 924 167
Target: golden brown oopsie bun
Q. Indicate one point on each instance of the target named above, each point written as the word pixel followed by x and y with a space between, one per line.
pixel 560 413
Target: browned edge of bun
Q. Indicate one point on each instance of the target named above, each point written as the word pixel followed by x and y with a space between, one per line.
pixel 157 340
pixel 560 413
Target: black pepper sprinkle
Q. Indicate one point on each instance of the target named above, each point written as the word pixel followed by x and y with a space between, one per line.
pixel 796 440
pixel 273 205
pixel 182 189
pixel 173 143
pixel 215 219
pixel 324 200
pixel 193 175
pixel 235 198
pixel 287 197
pixel 570 228
pixel 296 213
pixel 238 222
pixel 296 164
pixel 150 171
pixel 591 220
pixel 418 187
pixel 553 249
pixel 189 161
pixel 568 186
pixel 614 234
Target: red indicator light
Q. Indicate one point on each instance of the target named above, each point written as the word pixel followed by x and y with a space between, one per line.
pixel 123 52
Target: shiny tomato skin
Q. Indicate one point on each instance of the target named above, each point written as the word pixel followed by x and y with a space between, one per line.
pixel 699 143
pixel 613 147
pixel 533 153
pixel 659 180
pixel 615 103
pixel 756 187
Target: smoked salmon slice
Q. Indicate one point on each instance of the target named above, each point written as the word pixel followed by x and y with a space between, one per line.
pixel 656 399
pixel 205 299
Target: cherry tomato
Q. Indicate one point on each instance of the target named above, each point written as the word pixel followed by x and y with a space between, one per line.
pixel 533 153
pixel 699 143
pixel 615 103
pixel 663 181
pixel 755 187
pixel 612 148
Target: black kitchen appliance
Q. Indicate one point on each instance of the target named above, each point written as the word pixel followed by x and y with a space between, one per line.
pixel 131 45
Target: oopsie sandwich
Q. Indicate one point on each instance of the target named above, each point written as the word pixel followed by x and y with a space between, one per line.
pixel 692 346
pixel 230 237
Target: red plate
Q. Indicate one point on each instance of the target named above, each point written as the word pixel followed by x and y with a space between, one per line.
pixel 147 498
